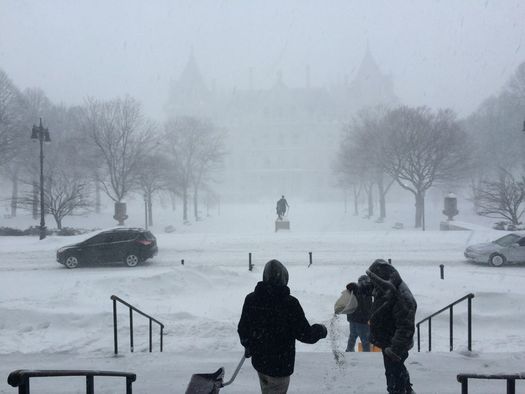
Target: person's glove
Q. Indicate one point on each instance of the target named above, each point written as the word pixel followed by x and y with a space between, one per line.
pixel 352 287
pixel 322 329
pixel 247 352
pixel 391 355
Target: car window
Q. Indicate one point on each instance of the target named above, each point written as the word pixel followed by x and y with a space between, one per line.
pixel 507 240
pixel 106 238
pixel 149 236
pixel 95 239
pixel 123 236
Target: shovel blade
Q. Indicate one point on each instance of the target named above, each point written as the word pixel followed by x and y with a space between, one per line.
pixel 206 383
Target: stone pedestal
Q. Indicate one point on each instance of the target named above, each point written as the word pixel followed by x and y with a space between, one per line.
pixel 282 225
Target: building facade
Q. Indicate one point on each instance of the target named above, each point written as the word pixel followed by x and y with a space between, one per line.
pixel 280 140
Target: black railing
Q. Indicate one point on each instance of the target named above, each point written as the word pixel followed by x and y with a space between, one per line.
pixel 131 309
pixel 511 380
pixel 20 378
pixel 468 297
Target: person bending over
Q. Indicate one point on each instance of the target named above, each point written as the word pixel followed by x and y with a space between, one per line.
pixel 392 323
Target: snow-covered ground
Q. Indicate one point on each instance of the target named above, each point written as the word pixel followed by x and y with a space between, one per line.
pixel 55 318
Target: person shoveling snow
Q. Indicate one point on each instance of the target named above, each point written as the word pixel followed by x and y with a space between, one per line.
pixel 271 321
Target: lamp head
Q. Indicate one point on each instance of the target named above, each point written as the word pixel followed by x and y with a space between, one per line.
pixel 34 133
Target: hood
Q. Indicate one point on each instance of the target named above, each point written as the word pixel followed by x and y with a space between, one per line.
pixel 384 276
pixel 486 246
pixel 63 248
pixel 269 292
pixel 275 273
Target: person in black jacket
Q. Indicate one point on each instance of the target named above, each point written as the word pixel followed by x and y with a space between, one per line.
pixel 359 318
pixel 392 323
pixel 271 321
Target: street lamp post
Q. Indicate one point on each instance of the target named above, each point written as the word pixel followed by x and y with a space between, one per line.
pixel 42 135
pixel 146 211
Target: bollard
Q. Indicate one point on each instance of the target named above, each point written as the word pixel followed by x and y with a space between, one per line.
pixel 310 255
pixel 182 262
pixel 250 265
pixel 442 271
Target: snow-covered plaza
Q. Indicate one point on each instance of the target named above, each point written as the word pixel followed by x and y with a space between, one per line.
pixel 56 318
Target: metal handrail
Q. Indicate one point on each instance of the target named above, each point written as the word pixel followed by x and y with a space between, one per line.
pixel 468 297
pixel 131 309
pixel 510 378
pixel 20 378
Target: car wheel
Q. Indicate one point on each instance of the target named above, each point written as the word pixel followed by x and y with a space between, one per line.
pixel 497 260
pixel 131 260
pixel 71 262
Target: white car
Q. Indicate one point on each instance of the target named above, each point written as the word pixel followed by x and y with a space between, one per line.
pixel 508 249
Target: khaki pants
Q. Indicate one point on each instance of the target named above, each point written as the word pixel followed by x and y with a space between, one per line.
pixel 271 385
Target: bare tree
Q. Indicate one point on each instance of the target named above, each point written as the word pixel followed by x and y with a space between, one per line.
pixel 13 114
pixel 211 153
pixel 33 104
pixel 152 177
pixel 194 147
pixel 422 148
pixel 11 118
pixel 361 157
pixel 123 136
pixel 502 198
pixel 65 194
pixel 348 169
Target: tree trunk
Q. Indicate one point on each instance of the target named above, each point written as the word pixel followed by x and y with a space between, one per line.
pixel 420 209
pixel 14 195
pixel 185 204
pixel 97 196
pixel 195 204
pixel 357 192
pixel 382 193
pixel 382 206
pixel 370 194
pixel 150 210
pixel 58 220
pixel 173 199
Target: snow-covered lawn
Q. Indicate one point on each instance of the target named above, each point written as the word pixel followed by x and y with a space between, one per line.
pixel 52 317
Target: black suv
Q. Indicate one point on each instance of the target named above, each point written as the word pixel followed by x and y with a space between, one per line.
pixel 130 245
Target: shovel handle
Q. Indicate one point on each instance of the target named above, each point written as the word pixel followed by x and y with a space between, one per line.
pixel 235 373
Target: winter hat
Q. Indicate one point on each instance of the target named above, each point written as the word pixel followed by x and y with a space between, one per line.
pixel 275 273
pixel 382 269
pixel 363 280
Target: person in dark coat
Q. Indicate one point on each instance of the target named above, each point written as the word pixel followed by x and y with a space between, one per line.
pixel 359 318
pixel 271 321
pixel 392 323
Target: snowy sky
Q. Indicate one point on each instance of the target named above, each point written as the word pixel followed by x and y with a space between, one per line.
pixel 439 53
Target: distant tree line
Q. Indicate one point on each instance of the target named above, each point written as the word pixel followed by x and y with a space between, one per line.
pixel 498 182
pixel 103 147
pixel 417 148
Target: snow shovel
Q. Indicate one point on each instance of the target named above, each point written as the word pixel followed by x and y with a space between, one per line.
pixel 211 383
